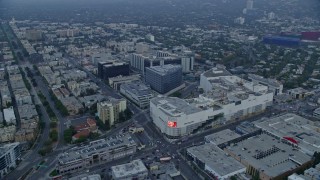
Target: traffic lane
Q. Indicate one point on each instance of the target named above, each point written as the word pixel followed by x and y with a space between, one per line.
pixel 43 89
pixel 187 171
pixel 133 108
pixel 143 139
pixel 40 142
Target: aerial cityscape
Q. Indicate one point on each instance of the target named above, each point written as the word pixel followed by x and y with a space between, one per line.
pixel 160 90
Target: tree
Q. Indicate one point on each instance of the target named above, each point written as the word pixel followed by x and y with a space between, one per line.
pixel 90 92
pixel 201 91
pixel 54 173
pixel 5 123
pixel 9 104
pixel 54 135
pixel 42 152
pixel 81 139
pixel 53 124
pixel 93 109
pixel 316 157
pixel 256 176
pixel 94 136
pixel 48 142
pixel 233 178
pixel 176 94
pixel 68 133
pixel 100 124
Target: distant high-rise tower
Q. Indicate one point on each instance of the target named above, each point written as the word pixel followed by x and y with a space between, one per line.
pixel 13 21
pixel 249 4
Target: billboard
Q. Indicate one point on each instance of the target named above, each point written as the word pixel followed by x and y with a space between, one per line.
pixel 172 124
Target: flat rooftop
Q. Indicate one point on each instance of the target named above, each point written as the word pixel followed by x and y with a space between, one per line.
pixel 216 159
pixel 124 78
pixel 247 127
pixel 298 90
pixel 111 101
pixel 115 64
pixel 174 106
pixel 272 82
pixel 268 154
pixel 132 168
pixel 137 88
pixel 228 89
pixel 86 177
pixel 94 147
pixel 6 147
pixel 27 111
pixel 222 137
pixel 291 125
pixel 216 72
pixel 165 69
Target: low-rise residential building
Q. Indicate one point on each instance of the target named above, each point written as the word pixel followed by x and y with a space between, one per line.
pixel 138 93
pixel 28 114
pixel 81 134
pixel 9 154
pixel 133 170
pixel 57 93
pixel 5 94
pixel 9 115
pixel 72 104
pixel 214 161
pixel 7 133
pixel 22 96
pixel 73 75
pixel 90 125
pixel 49 75
pixel 102 150
pixel 108 111
pixel 17 83
pixel 84 129
pixel 26 134
pixel 89 101
pixel 298 93
pixel 82 88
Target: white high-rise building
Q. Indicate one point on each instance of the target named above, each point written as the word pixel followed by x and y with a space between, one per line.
pixel 249 4
pixel 271 15
pixel 239 20
pixel 109 111
pixel 150 37
pixel 9 154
